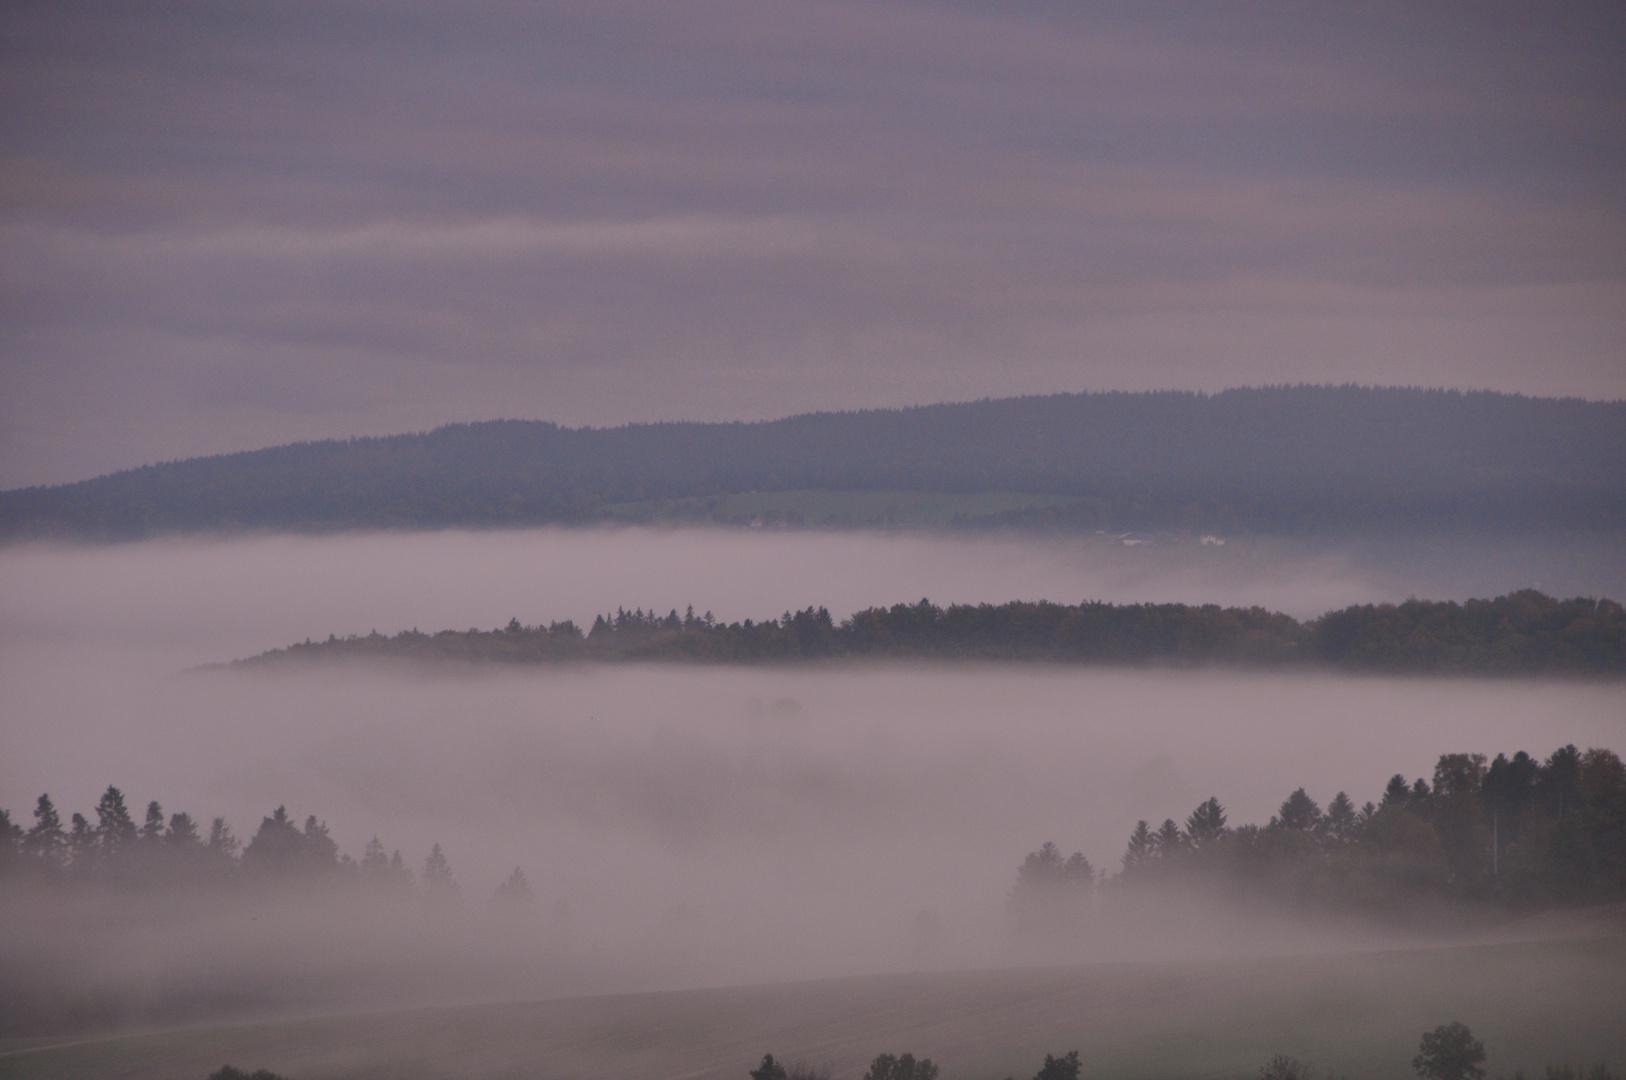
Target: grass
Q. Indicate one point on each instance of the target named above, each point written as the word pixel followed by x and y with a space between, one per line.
pixel 839 509
pixel 1533 1003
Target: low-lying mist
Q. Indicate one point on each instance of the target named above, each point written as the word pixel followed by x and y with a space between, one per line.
pixel 197 600
pixel 679 826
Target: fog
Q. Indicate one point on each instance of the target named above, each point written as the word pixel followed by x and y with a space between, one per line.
pixel 200 600
pixel 698 825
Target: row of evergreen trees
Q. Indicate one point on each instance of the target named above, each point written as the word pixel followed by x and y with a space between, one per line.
pixel 1524 632
pixel 1516 833
pixel 174 852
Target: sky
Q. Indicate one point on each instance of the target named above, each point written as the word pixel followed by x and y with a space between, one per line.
pixel 230 226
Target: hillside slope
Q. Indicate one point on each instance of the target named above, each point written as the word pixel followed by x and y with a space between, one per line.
pixel 1275 460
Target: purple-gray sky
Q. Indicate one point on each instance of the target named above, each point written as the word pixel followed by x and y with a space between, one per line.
pixel 226 226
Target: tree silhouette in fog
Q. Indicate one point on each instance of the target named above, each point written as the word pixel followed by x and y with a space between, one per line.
pixel 1517 833
pixel 279 849
pixel 1206 824
pixel 768 1070
pixel 174 854
pixel 1450 1052
pixel 901 1067
pixel 1522 632
pixel 1282 1067
pixel 1059 1068
pixel 1051 892
pixel 115 830
pixel 514 896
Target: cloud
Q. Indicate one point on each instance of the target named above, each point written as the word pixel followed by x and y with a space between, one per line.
pixel 597 213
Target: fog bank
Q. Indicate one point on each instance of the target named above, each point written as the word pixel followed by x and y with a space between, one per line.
pixel 199 600
pixel 686 825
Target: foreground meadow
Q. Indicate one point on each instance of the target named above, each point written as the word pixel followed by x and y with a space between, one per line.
pixel 1533 1002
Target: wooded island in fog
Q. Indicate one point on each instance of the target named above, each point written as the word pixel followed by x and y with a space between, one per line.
pixel 1284 460
pixel 1525 632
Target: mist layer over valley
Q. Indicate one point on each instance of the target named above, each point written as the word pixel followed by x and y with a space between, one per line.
pixel 684 826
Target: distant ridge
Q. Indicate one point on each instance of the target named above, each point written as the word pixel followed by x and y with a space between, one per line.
pixel 1285 460
pixel 1523 633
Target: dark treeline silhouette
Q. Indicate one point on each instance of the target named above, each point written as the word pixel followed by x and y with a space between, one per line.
pixel 1522 633
pixel 1449 1052
pixel 1282 460
pixel 1514 834
pixel 115 852
pixel 122 919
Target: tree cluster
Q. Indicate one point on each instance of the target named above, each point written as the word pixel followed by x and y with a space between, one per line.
pixel 173 852
pixel 1522 633
pixel 1514 833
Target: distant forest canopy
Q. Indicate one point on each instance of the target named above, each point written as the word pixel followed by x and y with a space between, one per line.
pixel 178 852
pixel 121 918
pixel 1522 633
pixel 1517 833
pixel 1279 460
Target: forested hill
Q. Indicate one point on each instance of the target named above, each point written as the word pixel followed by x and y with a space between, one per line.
pixel 1525 633
pixel 1275 460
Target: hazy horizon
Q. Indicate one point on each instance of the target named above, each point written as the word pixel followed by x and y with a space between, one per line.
pixel 232 231
pixel 794 823
pixel 229 228
pixel 899 405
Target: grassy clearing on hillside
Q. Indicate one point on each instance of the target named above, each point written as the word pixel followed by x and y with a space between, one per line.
pixel 1362 1015
pixel 837 509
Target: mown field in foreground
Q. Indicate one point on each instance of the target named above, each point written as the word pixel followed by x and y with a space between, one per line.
pixel 1533 1003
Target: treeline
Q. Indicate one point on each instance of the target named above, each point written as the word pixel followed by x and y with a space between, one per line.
pixel 1514 834
pixel 1280 460
pixel 1525 632
pixel 1449 1052
pixel 176 853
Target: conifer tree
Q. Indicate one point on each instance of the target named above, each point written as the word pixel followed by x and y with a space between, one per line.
pixel 1168 842
pixel 182 833
pixel 81 841
pixel 1206 823
pixel 1298 812
pixel 222 843
pixel 115 829
pixel 514 895
pixel 373 860
pixel 437 875
pixel 46 841
pixel 1078 870
pixel 152 830
pixel 11 842
pixel 1140 847
pixel 1340 820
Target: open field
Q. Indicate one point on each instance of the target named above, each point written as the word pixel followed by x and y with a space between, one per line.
pixel 1357 1014
pixel 838 509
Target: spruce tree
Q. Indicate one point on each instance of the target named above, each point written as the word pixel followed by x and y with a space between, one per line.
pixel 1140 847
pixel 115 829
pixel 1168 842
pixel 437 876
pixel 1206 823
pixel 46 841
pixel 152 830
